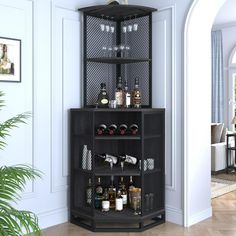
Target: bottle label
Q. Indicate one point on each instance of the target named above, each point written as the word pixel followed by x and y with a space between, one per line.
pixel 124 197
pixel 119 98
pixel 105 205
pixel 104 101
pixel 127 100
pixel 119 204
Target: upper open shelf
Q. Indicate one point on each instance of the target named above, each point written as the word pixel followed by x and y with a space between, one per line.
pixel 117 12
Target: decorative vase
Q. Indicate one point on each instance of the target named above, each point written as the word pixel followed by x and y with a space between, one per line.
pixel 84 157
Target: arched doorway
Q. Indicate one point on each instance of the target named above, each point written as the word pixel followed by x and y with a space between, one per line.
pixel 197 109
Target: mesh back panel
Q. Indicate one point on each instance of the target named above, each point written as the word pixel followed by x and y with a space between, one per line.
pixel 97 73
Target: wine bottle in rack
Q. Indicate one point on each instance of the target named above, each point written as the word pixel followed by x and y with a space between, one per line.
pixel 112 129
pixel 122 129
pixel 101 129
pixel 133 129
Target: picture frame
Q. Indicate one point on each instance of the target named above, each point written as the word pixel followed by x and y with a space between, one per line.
pixel 10 60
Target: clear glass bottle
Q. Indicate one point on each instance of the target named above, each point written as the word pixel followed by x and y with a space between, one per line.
pixel 130 188
pixel 119 201
pixel 127 96
pixel 112 193
pixel 136 95
pixel 98 195
pixel 103 98
pixel 105 201
pixel 119 93
pixel 123 191
pixel 89 193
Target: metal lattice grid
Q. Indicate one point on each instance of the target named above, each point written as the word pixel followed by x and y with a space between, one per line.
pixel 97 73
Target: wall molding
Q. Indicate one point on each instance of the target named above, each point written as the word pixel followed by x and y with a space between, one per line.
pixel 172 8
pixel 174 215
pixel 53 217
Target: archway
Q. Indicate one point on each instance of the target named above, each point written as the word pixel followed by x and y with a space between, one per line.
pixel 197 109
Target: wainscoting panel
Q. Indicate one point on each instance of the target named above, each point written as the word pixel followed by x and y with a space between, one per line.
pixel 65 87
pixel 163 89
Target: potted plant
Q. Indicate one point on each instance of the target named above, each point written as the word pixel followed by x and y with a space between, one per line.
pixel 15 222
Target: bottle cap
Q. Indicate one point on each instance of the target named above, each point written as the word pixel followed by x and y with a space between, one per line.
pixel 136 81
pixel 103 85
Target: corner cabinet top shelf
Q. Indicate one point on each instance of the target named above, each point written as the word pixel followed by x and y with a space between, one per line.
pixel 117 12
pixel 117 60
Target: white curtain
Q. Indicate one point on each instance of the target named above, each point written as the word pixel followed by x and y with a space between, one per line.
pixel 217 77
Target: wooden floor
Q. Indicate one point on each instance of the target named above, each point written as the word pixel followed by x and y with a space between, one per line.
pixel 223 223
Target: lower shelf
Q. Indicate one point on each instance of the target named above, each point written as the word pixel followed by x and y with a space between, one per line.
pixel 112 221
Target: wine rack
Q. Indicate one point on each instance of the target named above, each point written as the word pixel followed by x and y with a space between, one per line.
pixel 149 142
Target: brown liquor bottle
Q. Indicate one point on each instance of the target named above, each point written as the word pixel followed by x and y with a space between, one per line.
pixel 136 95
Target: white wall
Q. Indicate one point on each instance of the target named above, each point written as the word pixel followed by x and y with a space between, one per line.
pixel 50 85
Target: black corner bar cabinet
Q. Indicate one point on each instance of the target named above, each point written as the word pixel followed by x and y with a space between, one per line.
pixel 149 142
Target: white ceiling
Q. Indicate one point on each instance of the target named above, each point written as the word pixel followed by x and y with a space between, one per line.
pixel 227 13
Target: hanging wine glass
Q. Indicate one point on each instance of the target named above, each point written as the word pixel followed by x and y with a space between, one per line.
pixel 130 26
pixel 115 50
pixel 122 47
pixel 135 25
pixel 124 27
pixel 104 49
pixel 102 25
pixel 107 26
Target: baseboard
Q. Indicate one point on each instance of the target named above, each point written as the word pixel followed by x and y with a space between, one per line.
pixel 54 217
pixel 200 216
pixel 174 215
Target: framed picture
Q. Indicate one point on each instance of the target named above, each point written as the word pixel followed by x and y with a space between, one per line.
pixel 10 60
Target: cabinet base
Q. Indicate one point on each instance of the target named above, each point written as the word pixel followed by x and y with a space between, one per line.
pixel 135 226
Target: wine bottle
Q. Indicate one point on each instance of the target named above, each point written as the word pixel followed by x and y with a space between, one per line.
pixel 89 193
pixel 131 159
pixel 119 201
pixel 105 201
pixel 108 158
pixel 123 191
pixel 133 129
pixel 112 193
pixel 127 97
pixel 103 98
pixel 119 93
pixel 131 186
pixel 98 194
pixel 136 95
pixel 122 129
pixel 112 129
pixel 101 129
